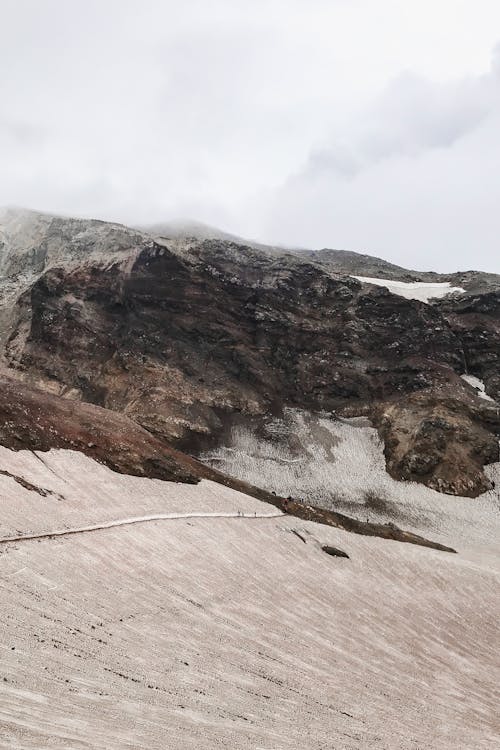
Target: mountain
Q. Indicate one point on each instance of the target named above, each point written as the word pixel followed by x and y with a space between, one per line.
pixel 233 478
pixel 186 228
pixel 187 335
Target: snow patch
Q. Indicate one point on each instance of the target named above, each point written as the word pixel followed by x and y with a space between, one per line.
pixel 478 385
pixel 340 465
pixel 418 290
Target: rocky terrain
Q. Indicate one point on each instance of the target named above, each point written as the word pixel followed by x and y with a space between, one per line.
pixel 181 334
pixel 359 264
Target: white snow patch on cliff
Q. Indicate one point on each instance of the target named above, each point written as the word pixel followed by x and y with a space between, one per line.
pixel 478 385
pixel 418 290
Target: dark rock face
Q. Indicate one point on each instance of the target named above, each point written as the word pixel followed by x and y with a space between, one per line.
pixel 219 334
pixel 476 321
pixel 180 336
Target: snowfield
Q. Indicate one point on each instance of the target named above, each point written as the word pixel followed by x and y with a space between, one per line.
pixel 341 464
pixel 229 632
pixel 421 291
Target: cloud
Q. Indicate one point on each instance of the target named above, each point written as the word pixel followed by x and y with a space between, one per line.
pixel 330 122
pixel 412 115
pixel 413 177
pixel 22 134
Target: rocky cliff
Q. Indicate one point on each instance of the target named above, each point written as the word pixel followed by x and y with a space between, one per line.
pixel 183 334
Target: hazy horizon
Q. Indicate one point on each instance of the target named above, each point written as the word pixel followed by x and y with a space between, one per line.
pixel 366 127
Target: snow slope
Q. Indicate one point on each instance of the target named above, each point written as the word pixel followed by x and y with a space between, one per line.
pixel 224 632
pixel 340 464
pixel 421 291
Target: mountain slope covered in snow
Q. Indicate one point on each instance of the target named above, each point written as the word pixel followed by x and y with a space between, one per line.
pixel 188 423
pixel 228 631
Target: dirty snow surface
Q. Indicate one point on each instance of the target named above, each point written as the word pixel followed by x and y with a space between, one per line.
pixel 206 628
pixel 419 290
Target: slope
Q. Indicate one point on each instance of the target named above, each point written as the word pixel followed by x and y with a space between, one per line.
pixel 230 631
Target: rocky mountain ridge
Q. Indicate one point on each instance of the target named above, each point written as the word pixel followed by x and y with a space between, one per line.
pixel 185 334
pixel 359 264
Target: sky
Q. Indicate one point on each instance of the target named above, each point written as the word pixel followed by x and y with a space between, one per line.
pixel 369 125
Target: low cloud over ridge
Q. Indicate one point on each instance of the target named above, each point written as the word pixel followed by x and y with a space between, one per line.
pixel 323 123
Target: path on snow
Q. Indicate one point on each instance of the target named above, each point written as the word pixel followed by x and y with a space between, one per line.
pixel 134 520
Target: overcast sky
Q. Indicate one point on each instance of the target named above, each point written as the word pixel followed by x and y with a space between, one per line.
pixel 369 125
